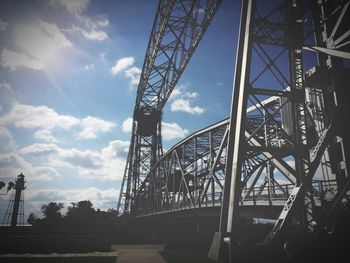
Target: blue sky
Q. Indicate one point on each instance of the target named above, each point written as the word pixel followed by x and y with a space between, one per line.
pixel 68 77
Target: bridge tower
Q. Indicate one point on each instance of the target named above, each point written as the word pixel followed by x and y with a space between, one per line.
pixel 177 30
pixel 297 51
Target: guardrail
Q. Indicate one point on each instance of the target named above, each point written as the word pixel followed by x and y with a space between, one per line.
pixel 268 196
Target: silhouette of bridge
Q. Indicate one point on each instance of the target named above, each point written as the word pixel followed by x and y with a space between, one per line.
pixel 283 146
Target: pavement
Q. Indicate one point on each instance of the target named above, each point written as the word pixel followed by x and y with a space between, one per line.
pixel 91 257
pixel 139 253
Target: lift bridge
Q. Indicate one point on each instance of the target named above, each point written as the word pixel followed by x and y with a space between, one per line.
pixel 283 148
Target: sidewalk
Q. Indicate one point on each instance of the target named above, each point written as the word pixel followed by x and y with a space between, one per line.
pixel 139 253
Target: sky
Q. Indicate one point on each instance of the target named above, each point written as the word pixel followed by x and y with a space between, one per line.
pixel 69 72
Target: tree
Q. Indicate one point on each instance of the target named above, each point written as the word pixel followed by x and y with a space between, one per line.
pixel 32 219
pixel 81 214
pixel 85 205
pixel 112 212
pixel 52 210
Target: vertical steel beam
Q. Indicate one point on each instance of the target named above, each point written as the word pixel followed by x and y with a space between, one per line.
pixel 236 147
pixel 295 40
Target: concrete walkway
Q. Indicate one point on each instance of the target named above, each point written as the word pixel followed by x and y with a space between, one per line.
pixel 139 253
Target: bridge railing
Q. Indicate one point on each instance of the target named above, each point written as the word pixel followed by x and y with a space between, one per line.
pixel 268 193
pixel 274 195
pixel 322 190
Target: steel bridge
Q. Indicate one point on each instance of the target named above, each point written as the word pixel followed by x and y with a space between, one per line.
pixel 192 174
pixel 284 144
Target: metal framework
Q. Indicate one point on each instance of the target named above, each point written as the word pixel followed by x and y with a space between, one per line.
pixel 277 42
pixel 182 177
pixel 283 144
pixel 177 30
pixel 192 173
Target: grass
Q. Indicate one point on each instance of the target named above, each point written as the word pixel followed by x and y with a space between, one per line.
pixel 186 256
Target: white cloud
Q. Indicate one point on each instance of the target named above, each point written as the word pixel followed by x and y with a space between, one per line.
pixel 92 34
pixel 43 173
pixel 184 105
pixel 106 163
pixel 75 7
pixel 127 125
pixel 103 22
pixel 181 101
pixel 85 160
pixel 45 120
pixel 60 157
pixel 3 25
pixel 40 149
pixel 95 35
pixel 109 162
pixel 59 40
pixel 122 64
pixel 133 74
pixel 90 29
pixel 35 117
pixel 116 149
pixel 126 66
pixel 7 143
pixel 5 133
pixel 92 126
pixel 180 92
pixel 38 45
pixel 172 131
pixel 12 60
pixel 40 41
pixel 177 92
pixel 45 135
pixel 113 162
pixel 12 164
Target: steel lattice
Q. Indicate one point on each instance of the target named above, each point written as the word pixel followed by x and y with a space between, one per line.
pixel 282 145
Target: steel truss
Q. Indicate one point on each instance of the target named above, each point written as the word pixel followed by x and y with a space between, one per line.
pixel 177 30
pixel 189 175
pixel 192 173
pixel 283 144
pixel 299 136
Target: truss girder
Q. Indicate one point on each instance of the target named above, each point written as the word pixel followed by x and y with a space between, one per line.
pixel 177 30
pixel 192 173
pixel 189 175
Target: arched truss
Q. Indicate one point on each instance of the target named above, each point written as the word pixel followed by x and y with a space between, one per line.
pixel 189 175
pixel 192 173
